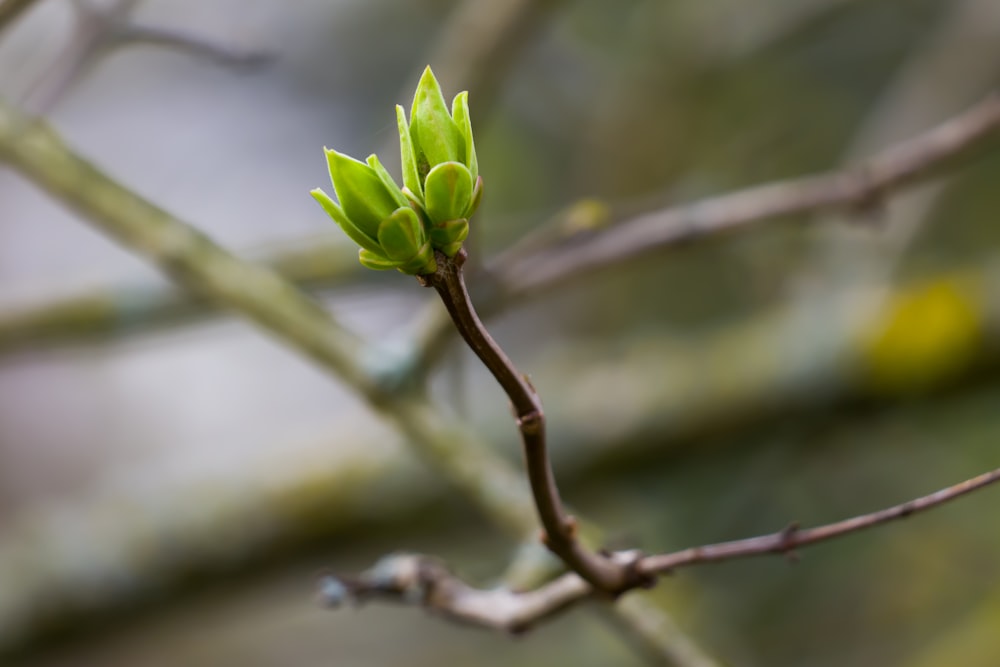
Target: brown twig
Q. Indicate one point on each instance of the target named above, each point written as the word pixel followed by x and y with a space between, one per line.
pixel 791 538
pixel 560 528
pixel 859 188
pixel 418 579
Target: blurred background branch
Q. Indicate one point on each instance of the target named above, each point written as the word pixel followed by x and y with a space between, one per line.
pixel 102 27
pixel 114 312
pixel 947 72
pixel 863 187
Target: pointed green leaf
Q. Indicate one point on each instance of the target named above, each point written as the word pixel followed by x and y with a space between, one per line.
pixel 401 235
pixel 460 112
pixel 387 181
pixel 363 196
pixel 341 219
pixel 411 177
pixel 435 136
pixel 447 192
pixel 375 261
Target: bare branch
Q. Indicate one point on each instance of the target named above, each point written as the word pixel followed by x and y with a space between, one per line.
pixel 419 580
pixel 791 538
pixel 857 188
pixel 125 309
pixel 98 30
pixel 560 528
pixel 193 45
pixel 87 43
pixel 415 579
pixel 955 63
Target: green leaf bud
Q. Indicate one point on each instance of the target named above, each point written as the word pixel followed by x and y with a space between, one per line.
pixel 362 194
pixel 411 176
pixel 338 215
pixel 435 135
pixel 390 185
pixel 401 234
pixel 402 227
pixel 404 241
pixel 447 192
pixel 460 113
pixel 371 260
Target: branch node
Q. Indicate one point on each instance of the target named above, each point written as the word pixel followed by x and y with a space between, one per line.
pixel 531 423
pixel 868 198
pixel 787 537
pixel 633 574
pixel 572 527
pixel 543 537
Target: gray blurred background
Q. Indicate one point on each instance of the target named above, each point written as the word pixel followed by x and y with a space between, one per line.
pixel 171 485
